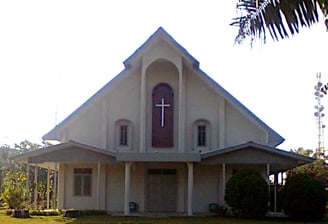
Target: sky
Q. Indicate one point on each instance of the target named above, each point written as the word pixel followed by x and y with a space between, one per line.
pixel 54 55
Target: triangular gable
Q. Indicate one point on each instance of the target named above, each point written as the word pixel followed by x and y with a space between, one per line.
pixel 274 138
pixel 160 34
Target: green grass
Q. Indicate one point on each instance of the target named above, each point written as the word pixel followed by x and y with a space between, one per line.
pixel 136 220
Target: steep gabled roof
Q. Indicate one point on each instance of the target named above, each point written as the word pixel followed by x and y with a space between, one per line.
pixel 161 34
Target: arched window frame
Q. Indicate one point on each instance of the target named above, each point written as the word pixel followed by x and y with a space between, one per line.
pixel 123 126
pixel 201 125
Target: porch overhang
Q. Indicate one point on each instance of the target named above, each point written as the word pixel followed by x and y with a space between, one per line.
pixel 158 157
pixel 68 152
pixel 254 153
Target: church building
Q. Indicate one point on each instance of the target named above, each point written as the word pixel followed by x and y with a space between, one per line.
pixel 162 136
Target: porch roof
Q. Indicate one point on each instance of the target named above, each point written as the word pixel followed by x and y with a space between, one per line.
pixel 70 151
pixel 255 153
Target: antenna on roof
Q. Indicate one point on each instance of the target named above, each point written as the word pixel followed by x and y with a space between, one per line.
pixel 319 90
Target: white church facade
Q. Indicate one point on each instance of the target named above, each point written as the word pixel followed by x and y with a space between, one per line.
pixel 162 134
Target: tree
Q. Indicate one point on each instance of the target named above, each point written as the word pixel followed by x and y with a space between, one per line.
pixel 280 18
pixel 13 187
pixel 247 193
pixel 304 197
pixel 317 169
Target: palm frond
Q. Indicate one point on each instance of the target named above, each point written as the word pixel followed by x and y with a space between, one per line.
pixel 281 18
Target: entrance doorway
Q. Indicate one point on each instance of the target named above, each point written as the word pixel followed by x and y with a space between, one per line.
pixel 161 193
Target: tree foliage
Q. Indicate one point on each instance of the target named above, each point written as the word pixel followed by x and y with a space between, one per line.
pixel 280 18
pixel 13 176
pixel 247 193
pixel 304 197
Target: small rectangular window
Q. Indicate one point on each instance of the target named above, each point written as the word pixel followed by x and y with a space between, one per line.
pixel 82 181
pixel 123 135
pixel 201 138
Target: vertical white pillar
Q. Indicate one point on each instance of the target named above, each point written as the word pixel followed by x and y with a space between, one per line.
pixel 190 186
pixel 98 186
pixel 223 182
pixel 181 127
pixel 127 188
pixel 48 188
pixel 268 181
pixel 27 194
pixel 55 187
pixel 36 187
pixel 275 191
pixel 143 110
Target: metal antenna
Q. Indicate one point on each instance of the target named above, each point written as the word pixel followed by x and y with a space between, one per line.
pixel 319 153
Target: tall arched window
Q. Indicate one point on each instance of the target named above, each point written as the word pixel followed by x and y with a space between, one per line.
pixel 162 116
pixel 201 134
pixel 123 134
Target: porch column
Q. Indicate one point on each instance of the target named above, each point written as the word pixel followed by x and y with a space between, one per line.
pixel 223 182
pixel 48 188
pixel 35 203
pixel 190 186
pixel 98 186
pixel 275 191
pixel 268 180
pixel 127 188
pixel 55 187
pixel 27 194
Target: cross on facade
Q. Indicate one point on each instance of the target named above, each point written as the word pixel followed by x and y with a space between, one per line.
pixel 162 106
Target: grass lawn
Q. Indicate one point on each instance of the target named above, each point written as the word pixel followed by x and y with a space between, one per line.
pixel 134 220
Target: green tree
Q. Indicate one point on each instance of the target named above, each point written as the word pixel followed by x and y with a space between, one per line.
pixel 247 193
pixel 13 187
pixel 317 169
pixel 304 197
pixel 280 18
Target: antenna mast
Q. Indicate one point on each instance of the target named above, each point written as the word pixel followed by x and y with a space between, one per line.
pixel 319 152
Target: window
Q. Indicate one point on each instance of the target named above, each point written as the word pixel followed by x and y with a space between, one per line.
pixel 201 134
pixel 162 116
pixel 82 181
pixel 123 135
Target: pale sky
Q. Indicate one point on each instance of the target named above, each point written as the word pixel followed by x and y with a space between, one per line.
pixel 54 55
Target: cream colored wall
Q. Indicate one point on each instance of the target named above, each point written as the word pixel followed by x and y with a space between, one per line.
pixel 206 187
pixel 115 186
pixel 240 129
pixel 66 198
pixel 201 103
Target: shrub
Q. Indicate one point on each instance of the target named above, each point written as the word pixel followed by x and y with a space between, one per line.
pixel 247 193
pixel 304 198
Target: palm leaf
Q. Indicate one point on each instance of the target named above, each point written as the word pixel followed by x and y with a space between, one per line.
pixel 281 18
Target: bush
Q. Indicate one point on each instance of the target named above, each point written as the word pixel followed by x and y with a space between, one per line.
pixel 247 193
pixel 304 198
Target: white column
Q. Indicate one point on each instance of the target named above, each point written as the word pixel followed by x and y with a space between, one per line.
pixel 55 187
pixel 223 182
pixel 27 194
pixel 98 186
pixel 275 191
pixel 190 186
pixel 127 188
pixel 48 188
pixel 222 124
pixel 181 139
pixel 268 181
pixel 143 110
pixel 36 187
